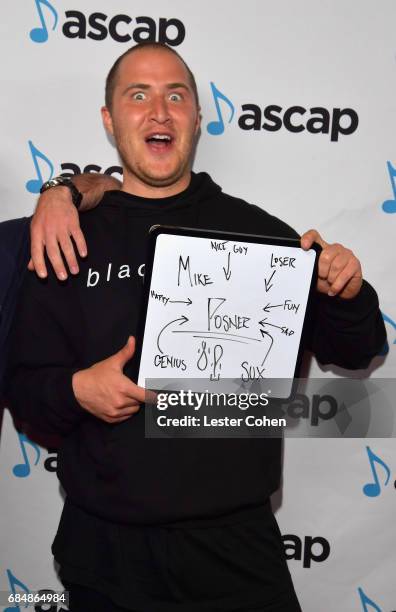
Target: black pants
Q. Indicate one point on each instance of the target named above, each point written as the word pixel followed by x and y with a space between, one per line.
pixel 83 599
pixel 237 567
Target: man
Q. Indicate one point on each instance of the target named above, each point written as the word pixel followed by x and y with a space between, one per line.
pixel 153 524
pixel 52 227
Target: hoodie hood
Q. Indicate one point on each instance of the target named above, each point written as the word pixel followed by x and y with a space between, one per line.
pixel 201 188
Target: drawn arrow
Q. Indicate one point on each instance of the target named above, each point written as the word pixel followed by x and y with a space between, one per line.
pixel 264 322
pixel 267 282
pixel 183 320
pixel 265 333
pixel 228 271
pixel 267 308
pixel 284 329
pixel 188 303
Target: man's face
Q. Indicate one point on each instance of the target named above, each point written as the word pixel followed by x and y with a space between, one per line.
pixel 154 119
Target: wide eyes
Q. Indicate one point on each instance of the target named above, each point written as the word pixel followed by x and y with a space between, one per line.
pixel 175 97
pixel 141 95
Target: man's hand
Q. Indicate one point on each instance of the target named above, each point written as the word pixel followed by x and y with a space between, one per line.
pixel 339 271
pixel 104 390
pixel 56 224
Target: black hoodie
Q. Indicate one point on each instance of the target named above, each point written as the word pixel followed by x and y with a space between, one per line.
pixel 113 471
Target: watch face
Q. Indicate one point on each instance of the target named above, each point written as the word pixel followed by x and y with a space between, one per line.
pixel 60 180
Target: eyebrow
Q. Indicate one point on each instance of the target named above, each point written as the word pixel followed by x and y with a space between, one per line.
pixel 145 86
pixel 178 86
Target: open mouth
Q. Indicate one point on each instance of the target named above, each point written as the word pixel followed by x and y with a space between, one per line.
pixel 159 142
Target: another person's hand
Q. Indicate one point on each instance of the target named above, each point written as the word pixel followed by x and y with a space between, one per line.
pixel 55 226
pixel 105 391
pixel 339 270
pixel 55 223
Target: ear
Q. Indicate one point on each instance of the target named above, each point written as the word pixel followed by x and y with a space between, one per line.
pixel 107 120
pixel 198 121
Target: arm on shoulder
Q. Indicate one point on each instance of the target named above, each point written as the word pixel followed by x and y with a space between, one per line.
pixel 55 226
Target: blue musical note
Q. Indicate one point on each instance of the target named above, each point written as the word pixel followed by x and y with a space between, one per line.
pixel 389 206
pixel 389 320
pixel 373 489
pixel 21 470
pixel 385 349
pixel 40 35
pixel 367 602
pixel 217 127
pixel 33 185
pixel 14 582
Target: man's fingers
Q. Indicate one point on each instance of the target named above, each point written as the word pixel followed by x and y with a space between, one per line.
pixel 326 259
pixel 339 262
pixel 37 253
pixel 54 224
pixel 134 392
pixel 150 397
pixel 37 261
pixel 352 275
pixel 122 414
pixel 80 242
pixel 308 238
pixel 68 251
pixel 339 272
pixel 126 353
pixel 116 420
pixel 55 258
pixel 311 236
pixel 131 408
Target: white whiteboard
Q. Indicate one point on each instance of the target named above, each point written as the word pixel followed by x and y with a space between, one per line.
pixel 223 308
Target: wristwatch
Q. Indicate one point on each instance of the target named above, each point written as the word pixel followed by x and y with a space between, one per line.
pixel 64 181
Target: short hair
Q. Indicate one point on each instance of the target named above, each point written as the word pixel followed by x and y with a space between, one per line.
pixel 112 75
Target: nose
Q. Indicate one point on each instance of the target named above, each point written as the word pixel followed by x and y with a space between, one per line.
pixel 159 109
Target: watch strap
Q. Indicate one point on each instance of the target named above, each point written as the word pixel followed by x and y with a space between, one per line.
pixel 64 181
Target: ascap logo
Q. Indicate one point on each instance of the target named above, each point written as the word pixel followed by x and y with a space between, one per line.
pixel 21 597
pixel 40 34
pixel 380 474
pixel 273 117
pixel 98 26
pixel 30 454
pixel 341 408
pixel 309 549
pixel 43 166
pixel 389 206
pixel 44 169
pixel 71 169
pixel 368 604
pixel 388 322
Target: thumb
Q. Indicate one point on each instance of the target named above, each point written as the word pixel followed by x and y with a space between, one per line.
pixel 310 237
pixel 126 353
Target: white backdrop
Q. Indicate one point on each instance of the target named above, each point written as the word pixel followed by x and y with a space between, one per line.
pixel 310 54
